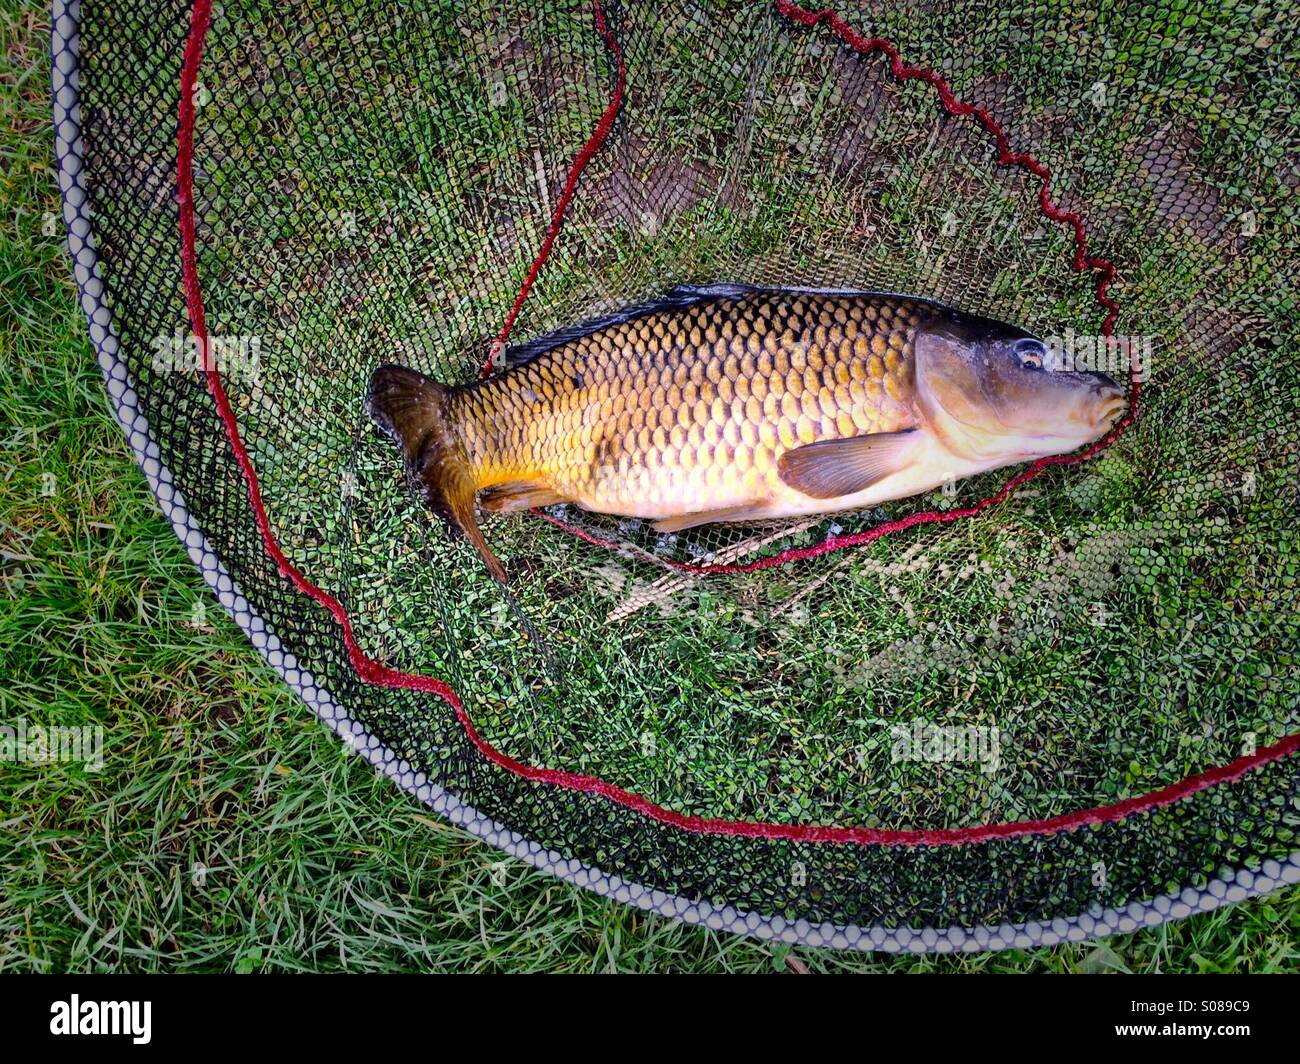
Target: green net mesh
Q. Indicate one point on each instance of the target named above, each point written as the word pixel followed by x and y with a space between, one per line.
pixel 373 182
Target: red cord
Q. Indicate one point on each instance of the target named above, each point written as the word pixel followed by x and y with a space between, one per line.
pixel 594 143
pixel 381 675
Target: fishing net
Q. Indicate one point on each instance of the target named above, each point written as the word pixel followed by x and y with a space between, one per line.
pixel 1043 703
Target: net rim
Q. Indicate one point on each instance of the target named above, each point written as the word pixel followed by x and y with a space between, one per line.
pixel 1228 887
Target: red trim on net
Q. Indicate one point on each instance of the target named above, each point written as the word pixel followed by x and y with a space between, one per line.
pixel 381 675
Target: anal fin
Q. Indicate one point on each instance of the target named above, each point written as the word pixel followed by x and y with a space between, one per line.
pixel 518 495
pixel 749 511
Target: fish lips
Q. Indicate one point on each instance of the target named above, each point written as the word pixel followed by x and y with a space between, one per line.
pixel 1110 400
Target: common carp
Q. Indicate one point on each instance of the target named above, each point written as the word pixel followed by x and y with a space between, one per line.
pixel 734 403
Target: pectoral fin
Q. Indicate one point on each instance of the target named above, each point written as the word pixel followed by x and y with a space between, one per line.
pixel 750 511
pixel 829 469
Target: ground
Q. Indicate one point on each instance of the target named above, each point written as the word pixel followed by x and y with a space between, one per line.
pixel 228 830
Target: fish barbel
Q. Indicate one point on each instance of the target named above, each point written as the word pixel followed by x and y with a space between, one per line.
pixel 732 403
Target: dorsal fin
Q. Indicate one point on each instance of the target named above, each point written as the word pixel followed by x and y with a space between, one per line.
pixel 682 295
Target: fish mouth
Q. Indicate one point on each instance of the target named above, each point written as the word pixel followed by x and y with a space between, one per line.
pixel 1110 409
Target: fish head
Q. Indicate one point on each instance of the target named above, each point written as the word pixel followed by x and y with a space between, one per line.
pixel 988 392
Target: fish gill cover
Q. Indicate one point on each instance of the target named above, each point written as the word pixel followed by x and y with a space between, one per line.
pixel 1053 702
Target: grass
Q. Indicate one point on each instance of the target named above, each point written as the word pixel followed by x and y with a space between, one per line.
pixel 228 830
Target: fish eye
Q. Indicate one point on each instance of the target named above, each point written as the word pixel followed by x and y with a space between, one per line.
pixel 1031 353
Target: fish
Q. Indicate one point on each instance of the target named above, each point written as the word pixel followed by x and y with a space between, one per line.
pixel 730 402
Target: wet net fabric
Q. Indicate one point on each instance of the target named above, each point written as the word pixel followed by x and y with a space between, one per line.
pixel 775 722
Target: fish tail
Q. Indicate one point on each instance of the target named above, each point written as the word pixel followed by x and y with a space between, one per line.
pixel 416 412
